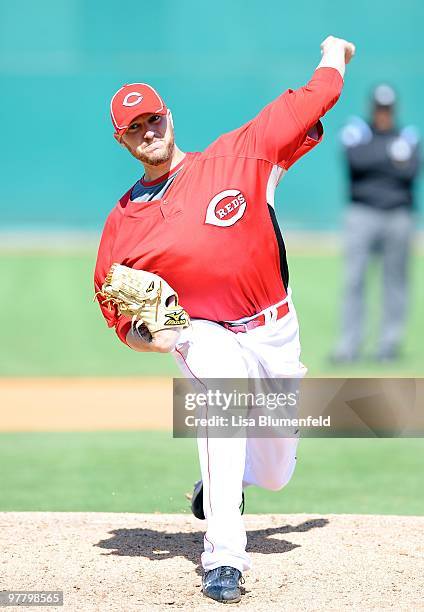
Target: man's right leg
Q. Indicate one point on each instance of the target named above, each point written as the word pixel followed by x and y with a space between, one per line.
pixel 211 351
pixel 361 232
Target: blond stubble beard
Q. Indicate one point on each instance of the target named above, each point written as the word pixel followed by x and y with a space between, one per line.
pixel 156 158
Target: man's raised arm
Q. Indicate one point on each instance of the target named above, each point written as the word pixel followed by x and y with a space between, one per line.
pixel 312 101
pixel 282 126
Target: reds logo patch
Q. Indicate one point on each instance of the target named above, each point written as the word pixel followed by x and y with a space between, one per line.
pixel 134 94
pixel 226 208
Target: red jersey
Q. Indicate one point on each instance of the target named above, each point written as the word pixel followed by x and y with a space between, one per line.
pixel 213 235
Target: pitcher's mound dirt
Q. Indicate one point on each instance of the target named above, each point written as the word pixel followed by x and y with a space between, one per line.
pixel 126 562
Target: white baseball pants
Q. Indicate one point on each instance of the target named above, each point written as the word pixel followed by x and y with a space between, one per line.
pixel 208 350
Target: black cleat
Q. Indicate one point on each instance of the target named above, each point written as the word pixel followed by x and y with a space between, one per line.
pixel 222 584
pixel 197 501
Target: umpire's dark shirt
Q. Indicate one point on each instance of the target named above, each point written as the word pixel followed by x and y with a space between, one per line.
pixel 382 167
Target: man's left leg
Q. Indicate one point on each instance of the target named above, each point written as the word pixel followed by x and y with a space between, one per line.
pixel 270 461
pixel 396 255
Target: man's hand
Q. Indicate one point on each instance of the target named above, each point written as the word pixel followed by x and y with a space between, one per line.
pixel 162 341
pixel 150 303
pixel 336 53
pixel 331 42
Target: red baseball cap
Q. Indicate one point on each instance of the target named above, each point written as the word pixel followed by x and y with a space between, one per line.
pixel 133 100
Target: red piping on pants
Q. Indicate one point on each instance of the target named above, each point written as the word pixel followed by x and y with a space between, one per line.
pixel 207 437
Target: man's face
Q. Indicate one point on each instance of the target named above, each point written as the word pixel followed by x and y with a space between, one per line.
pixel 383 118
pixel 150 138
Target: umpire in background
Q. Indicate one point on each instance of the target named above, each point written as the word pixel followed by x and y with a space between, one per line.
pixel 383 163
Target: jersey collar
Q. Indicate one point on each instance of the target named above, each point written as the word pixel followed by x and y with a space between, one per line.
pixel 165 176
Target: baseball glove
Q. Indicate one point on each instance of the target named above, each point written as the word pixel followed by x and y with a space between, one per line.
pixel 144 297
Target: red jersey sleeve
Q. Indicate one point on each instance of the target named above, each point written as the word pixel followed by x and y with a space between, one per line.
pixel 289 127
pixel 104 261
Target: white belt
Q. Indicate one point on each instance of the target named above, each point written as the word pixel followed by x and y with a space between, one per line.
pixel 269 313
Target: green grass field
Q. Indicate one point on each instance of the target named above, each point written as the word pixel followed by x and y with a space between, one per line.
pixel 54 329
pixel 149 472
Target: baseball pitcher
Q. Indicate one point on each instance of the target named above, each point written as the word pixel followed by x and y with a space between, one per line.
pixel 192 262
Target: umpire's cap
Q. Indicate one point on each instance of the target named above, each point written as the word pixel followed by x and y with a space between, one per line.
pixel 384 96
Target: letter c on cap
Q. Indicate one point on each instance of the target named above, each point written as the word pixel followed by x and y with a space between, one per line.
pixel 138 99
